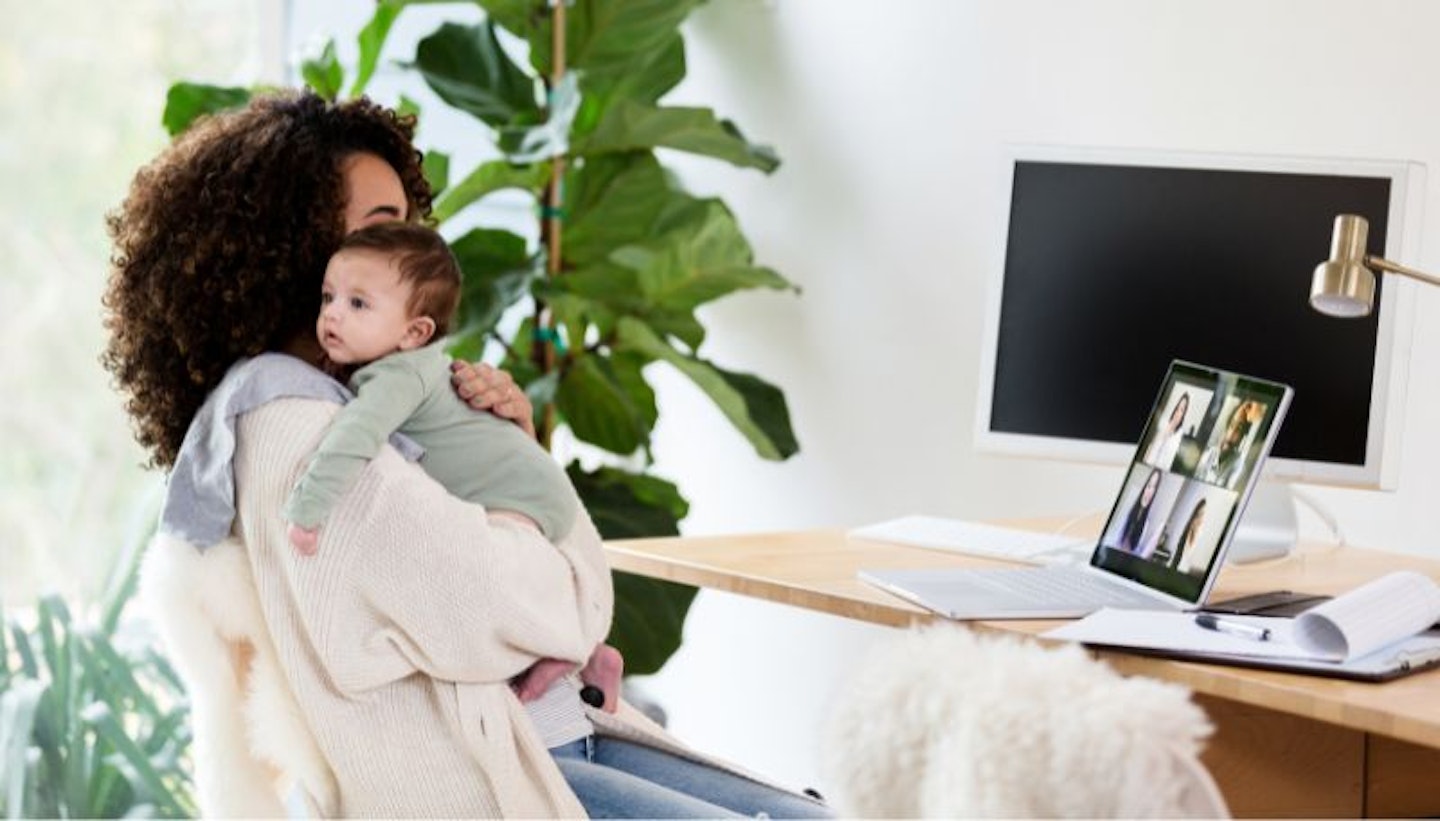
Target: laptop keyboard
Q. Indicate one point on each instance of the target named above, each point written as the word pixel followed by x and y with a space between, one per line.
pixel 979 539
pixel 1056 585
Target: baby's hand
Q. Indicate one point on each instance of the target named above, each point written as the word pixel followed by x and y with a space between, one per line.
pixel 304 539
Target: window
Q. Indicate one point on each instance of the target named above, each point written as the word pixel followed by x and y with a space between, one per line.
pixel 82 88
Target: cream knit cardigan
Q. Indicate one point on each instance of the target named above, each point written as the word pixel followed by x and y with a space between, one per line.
pixel 378 678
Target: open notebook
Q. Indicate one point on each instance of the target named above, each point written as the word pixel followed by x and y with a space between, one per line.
pixel 1164 543
pixel 1381 630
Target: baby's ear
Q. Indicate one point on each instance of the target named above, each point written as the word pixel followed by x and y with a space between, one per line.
pixel 418 333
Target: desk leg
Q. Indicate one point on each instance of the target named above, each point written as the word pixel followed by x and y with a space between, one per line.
pixel 1403 780
pixel 1272 765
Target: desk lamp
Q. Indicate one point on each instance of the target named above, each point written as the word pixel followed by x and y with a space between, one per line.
pixel 1344 284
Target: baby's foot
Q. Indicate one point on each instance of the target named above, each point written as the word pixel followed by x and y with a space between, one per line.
pixel 603 671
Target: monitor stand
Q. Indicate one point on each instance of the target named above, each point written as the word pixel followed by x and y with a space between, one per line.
pixel 1268 528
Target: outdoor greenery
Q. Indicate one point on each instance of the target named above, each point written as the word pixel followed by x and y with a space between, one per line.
pixel 93 721
pixel 78 674
pixel 623 257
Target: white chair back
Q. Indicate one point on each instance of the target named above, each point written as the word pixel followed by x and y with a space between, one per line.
pixel 948 723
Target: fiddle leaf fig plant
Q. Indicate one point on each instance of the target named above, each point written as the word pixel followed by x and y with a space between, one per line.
pixel 610 282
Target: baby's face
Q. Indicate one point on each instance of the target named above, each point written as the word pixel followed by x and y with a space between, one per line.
pixel 362 308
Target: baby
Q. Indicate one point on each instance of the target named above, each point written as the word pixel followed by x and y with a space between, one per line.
pixel 389 291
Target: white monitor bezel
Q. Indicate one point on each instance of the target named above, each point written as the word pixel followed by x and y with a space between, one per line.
pixel 1382 444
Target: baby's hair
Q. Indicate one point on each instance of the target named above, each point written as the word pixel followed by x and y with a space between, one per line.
pixel 424 261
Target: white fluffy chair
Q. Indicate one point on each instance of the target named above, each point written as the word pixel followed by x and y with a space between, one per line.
pixel 947 723
pixel 251 746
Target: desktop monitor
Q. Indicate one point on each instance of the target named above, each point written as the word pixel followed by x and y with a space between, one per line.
pixel 1117 262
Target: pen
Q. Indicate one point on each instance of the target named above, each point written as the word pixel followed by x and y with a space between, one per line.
pixel 1210 621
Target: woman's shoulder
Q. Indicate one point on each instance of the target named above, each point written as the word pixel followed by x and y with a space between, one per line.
pixel 199 501
pixel 260 379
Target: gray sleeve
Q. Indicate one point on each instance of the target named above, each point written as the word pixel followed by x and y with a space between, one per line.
pixel 199 501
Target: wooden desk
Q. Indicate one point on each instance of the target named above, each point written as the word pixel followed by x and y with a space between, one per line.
pixel 1285 744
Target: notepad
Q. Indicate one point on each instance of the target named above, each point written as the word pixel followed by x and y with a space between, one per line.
pixel 1377 631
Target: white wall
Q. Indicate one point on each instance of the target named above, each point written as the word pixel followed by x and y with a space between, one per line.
pixel 890 118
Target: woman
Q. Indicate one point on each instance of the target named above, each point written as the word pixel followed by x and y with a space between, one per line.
pixel 401 638
pixel 1190 535
pixel 1166 443
pixel 1132 532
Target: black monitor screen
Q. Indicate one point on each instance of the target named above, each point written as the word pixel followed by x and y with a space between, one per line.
pixel 1112 271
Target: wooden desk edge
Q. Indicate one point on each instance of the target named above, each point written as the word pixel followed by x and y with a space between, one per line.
pixel 1267 690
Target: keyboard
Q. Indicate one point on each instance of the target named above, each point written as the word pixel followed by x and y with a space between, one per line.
pixel 1060 585
pixel 977 539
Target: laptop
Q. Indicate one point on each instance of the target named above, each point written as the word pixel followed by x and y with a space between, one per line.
pixel 1165 540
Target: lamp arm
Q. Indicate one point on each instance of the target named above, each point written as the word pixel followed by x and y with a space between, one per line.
pixel 1386 265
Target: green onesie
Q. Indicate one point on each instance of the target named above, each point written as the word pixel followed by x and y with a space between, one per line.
pixel 476 455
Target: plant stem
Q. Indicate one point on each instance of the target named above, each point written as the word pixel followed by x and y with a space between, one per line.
pixel 554 201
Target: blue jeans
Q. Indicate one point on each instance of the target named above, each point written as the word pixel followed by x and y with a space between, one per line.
pixel 621 779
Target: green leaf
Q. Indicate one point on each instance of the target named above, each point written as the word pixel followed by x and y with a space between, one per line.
pixel 53 627
pixel 465 67
pixel 518 356
pixel 604 407
pixel 29 665
pixel 372 41
pixel 486 179
pixel 704 258
pixel 649 621
pixel 99 717
pixel 162 668
pixel 649 613
pixel 612 286
pixel 628 370
pixel 610 35
pixel 5 672
pixel 627 505
pixel 644 79
pixel 613 200
pixel 436 166
pixel 407 107
pixel 18 706
pixel 630 125
pixel 124 576
pixel 187 102
pixel 497 271
pixel 518 17
pixel 756 408
pixel 323 72
pixel 114 676
pixel 694 253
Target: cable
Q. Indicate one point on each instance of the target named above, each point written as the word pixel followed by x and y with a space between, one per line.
pixel 1322 514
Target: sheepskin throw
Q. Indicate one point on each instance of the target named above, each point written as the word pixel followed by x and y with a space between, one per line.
pixel 947 723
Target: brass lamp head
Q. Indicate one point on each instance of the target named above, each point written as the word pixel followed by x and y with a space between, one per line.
pixel 1343 286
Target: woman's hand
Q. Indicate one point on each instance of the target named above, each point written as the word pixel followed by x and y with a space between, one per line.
pixel 486 388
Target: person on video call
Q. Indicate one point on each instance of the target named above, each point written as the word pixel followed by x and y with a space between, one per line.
pixel 1223 463
pixel 1190 535
pixel 1171 552
pixel 1166 442
pixel 1132 533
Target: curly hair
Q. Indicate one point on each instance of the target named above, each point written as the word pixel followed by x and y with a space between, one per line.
pixel 221 243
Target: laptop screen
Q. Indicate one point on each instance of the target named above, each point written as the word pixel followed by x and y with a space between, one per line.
pixel 1197 461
